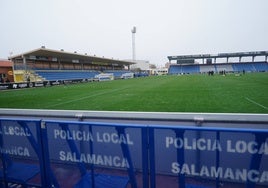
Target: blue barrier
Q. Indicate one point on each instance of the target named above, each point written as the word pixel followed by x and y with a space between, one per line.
pixel 210 157
pixel 21 153
pixel 54 153
pixel 87 153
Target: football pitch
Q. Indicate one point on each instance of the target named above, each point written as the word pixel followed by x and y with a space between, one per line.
pixel 186 93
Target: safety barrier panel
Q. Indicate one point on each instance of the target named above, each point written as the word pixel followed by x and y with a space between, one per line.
pixel 22 160
pixel 208 157
pixel 75 154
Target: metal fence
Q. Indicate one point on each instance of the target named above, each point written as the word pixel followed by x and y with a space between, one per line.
pixel 114 149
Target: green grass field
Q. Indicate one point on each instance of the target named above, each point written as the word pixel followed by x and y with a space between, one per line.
pixel 188 93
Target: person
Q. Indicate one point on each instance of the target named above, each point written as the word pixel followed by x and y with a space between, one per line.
pixel 28 80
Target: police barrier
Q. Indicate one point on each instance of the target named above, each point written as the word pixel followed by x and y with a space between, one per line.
pixel 54 153
pixel 21 153
pixel 72 154
pixel 208 157
pixel 84 154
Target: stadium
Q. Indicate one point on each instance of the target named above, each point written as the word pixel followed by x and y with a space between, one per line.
pixel 237 66
pixel 74 120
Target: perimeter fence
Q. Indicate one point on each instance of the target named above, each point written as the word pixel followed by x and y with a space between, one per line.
pixel 114 149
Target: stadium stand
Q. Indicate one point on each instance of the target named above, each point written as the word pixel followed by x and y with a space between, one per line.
pixel 239 67
pixel 261 66
pixel 250 67
pixel 52 65
pixel 224 67
pixel 185 64
pixel 66 75
pixel 186 69
pixel 230 67
pixel 191 69
pixel 206 68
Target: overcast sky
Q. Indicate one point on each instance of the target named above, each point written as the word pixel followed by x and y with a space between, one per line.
pixel 164 27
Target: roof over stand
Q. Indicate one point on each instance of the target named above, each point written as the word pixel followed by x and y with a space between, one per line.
pixel 220 55
pixel 61 55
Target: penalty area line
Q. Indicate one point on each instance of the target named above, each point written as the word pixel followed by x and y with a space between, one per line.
pixel 256 103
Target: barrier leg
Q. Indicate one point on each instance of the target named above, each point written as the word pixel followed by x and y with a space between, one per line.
pixel 217 160
pixel 256 158
pixel 145 157
pixel 51 180
pixel 126 153
pixel 180 159
pixel 5 159
pixel 152 158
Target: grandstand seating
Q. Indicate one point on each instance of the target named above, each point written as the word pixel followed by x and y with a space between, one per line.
pixel 66 75
pixel 239 67
pixel 261 66
pixel 250 67
pixel 224 67
pixel 177 69
pixel 206 68
pixel 230 67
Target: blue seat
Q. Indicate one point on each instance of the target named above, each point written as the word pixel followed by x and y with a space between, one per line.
pixel 243 66
pixel 262 66
pixel 178 69
pixel 66 75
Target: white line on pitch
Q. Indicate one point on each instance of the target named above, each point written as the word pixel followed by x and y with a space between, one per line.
pixel 256 103
pixel 82 98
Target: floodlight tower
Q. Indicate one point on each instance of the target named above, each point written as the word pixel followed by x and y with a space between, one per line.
pixel 133 31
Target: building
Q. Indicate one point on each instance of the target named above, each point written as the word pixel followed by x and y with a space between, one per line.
pixel 6 71
pixel 142 65
pixel 46 64
pixel 233 63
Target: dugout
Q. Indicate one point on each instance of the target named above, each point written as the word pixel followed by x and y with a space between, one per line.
pixel 27 65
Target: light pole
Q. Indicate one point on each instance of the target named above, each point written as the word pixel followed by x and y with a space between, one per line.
pixel 133 31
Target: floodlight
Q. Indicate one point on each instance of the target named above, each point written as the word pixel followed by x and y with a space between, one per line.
pixel 133 30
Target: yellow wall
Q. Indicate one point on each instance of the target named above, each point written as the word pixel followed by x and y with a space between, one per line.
pixel 18 76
